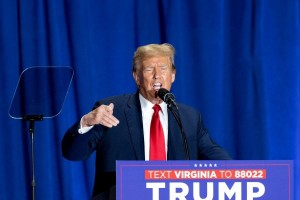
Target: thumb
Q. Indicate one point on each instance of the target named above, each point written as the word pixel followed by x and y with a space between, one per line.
pixel 111 105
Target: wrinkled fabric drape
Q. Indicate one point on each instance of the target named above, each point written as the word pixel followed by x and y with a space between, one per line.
pixel 238 63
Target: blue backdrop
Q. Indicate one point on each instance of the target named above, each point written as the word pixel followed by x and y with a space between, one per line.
pixel 238 63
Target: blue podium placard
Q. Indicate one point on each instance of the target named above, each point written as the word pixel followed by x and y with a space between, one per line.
pixel 205 180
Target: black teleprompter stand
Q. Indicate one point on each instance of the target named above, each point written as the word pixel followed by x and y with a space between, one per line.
pixel 40 94
pixel 32 119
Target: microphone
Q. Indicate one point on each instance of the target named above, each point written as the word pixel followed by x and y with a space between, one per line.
pixel 166 96
pixel 169 99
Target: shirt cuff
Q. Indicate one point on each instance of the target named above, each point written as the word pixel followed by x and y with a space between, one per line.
pixel 84 130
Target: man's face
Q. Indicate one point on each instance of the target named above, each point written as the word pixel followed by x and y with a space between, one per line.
pixel 155 73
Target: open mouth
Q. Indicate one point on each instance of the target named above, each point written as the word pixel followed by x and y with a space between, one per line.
pixel 157 86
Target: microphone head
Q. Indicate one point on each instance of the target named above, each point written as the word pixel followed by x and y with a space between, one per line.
pixel 161 93
pixel 165 95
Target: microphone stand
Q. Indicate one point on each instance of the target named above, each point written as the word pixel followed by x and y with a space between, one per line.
pixel 175 113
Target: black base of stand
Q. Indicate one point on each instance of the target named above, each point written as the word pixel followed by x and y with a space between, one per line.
pixel 32 119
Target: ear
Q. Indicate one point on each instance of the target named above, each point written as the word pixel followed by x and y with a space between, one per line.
pixel 173 75
pixel 136 78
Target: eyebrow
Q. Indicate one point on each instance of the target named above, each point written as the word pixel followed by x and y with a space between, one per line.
pixel 159 65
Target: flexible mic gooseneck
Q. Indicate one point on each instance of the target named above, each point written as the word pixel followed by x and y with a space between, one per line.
pixel 169 99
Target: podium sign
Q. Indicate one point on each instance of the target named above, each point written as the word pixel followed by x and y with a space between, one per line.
pixel 205 180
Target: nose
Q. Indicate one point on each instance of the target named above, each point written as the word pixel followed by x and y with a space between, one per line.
pixel 157 72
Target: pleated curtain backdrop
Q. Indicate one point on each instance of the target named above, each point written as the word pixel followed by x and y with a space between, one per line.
pixel 238 63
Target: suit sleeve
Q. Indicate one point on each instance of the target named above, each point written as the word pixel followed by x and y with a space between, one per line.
pixel 208 149
pixel 77 146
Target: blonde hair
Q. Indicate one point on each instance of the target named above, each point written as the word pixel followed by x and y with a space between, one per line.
pixel 151 50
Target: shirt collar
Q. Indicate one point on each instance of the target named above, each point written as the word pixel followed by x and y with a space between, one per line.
pixel 147 105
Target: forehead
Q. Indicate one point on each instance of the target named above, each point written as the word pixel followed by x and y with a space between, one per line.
pixel 162 60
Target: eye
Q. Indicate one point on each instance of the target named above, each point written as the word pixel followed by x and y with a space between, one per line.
pixel 163 68
pixel 148 69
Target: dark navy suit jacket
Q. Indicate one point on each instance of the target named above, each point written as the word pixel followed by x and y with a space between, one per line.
pixel 126 141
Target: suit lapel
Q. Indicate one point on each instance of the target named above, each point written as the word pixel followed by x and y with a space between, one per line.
pixel 134 119
pixel 175 143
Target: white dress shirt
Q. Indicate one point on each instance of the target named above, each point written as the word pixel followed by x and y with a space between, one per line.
pixel 147 113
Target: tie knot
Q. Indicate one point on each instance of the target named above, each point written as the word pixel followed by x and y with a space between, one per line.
pixel 156 108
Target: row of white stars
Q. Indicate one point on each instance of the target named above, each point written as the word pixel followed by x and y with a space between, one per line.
pixel 206 165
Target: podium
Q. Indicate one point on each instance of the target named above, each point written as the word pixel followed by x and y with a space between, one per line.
pixel 205 180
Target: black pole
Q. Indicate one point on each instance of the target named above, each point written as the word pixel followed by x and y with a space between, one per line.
pixel 32 119
pixel 175 113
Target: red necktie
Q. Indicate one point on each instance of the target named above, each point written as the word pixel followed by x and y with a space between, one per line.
pixel 157 139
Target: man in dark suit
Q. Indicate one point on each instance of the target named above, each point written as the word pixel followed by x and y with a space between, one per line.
pixel 118 128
